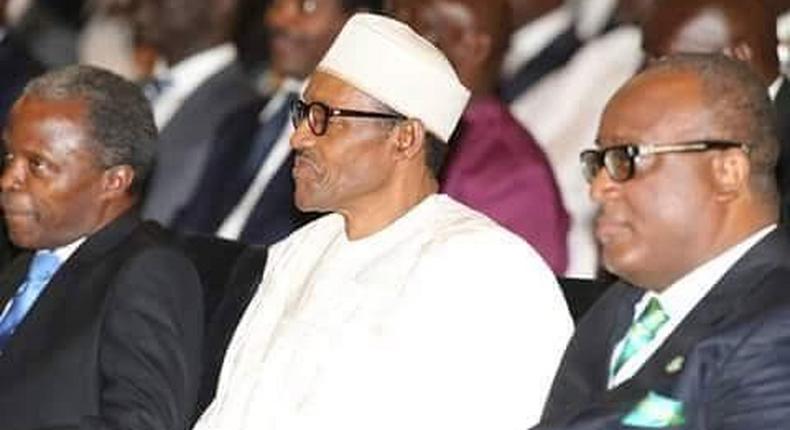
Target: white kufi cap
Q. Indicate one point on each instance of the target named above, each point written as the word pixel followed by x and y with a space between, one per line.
pixel 390 62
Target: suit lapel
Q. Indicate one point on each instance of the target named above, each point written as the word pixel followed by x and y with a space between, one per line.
pixel 583 374
pixel 730 297
pixel 69 297
pixel 12 277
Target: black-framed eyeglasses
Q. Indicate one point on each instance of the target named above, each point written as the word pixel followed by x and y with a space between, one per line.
pixel 619 160
pixel 318 114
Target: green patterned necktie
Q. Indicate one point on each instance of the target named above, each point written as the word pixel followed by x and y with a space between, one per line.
pixel 642 331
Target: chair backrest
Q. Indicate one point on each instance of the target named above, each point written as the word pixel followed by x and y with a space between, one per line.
pixel 581 294
pixel 230 272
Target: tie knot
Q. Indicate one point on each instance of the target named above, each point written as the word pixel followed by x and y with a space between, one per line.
pixel 154 87
pixel 43 266
pixel 653 317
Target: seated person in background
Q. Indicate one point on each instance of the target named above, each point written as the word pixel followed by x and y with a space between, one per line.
pixel 402 309
pixel 202 85
pixel 246 192
pixel 742 30
pixel 101 319
pixel 695 335
pixel 495 165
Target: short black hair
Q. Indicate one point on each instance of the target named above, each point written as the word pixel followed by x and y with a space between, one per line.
pixel 119 117
pixel 740 105
pixel 373 6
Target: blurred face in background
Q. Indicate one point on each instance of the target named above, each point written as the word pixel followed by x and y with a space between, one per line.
pixel 300 32
pixel 170 26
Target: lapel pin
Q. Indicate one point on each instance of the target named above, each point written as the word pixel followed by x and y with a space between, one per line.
pixel 674 365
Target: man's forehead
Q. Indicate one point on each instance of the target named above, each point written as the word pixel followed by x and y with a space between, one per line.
pixel 661 105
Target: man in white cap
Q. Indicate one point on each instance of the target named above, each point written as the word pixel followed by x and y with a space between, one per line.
pixel 402 309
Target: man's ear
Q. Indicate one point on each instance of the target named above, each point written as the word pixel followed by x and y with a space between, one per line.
pixel 117 181
pixel 731 172
pixel 409 138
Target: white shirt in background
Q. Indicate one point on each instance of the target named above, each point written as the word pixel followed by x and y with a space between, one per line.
pixel 186 76
pixel 527 42
pixel 563 112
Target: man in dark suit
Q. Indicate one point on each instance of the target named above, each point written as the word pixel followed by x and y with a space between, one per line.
pixel 744 30
pixel 247 190
pixel 202 84
pixel 696 334
pixel 101 318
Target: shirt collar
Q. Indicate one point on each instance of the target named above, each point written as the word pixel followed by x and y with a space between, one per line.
pixel 530 39
pixel 773 90
pixel 678 300
pixel 64 252
pixel 287 87
pixel 191 72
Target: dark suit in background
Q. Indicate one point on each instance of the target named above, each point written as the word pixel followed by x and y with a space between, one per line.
pixel 17 67
pixel 782 105
pixel 188 138
pixel 231 169
pixel 114 340
pixel 728 362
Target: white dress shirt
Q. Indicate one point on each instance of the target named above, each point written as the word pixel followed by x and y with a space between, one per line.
pixel 442 320
pixel 186 76
pixel 679 299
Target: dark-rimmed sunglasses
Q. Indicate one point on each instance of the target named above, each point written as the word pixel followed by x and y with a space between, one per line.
pixel 619 160
pixel 318 114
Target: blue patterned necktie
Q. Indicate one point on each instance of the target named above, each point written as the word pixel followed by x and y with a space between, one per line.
pixel 41 269
pixel 641 332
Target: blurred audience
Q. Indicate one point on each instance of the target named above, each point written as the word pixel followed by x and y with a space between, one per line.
pixel 17 65
pixel 247 190
pixel 494 164
pixel 742 30
pixel 49 28
pixel 544 39
pixel 202 83
pixel 563 110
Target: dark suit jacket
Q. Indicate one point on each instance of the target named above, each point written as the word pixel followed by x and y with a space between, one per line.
pixel 734 349
pixel 113 342
pixel 189 137
pixel 223 185
pixel 17 67
pixel 782 105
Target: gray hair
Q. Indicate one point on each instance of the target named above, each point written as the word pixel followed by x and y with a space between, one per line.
pixel 738 101
pixel 119 118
